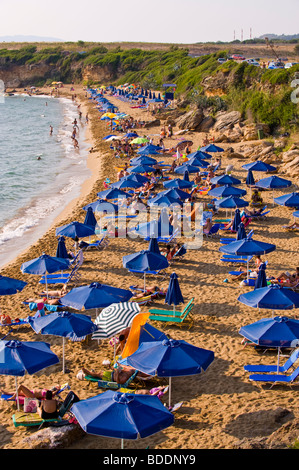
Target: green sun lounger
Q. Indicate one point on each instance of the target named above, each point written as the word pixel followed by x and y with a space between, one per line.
pixel 170 315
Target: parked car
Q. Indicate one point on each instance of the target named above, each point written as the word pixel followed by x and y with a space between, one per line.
pixel 238 57
pixel 253 62
pixel 276 65
pixel 290 64
pixel 221 60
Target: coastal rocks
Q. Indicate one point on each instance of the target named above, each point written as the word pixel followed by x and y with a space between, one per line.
pixel 206 124
pixel 190 120
pixel 54 437
pixel 251 131
pixel 225 120
pixel 154 123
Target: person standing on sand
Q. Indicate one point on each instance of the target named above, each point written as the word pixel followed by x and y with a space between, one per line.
pixel 51 130
pixel 86 118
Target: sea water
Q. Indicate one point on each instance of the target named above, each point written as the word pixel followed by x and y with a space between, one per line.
pixel 39 173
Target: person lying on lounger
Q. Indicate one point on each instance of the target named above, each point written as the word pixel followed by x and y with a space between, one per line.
pixel 258 262
pixel 39 393
pixel 286 279
pixel 151 289
pixel 54 293
pixel 119 375
pixel 292 226
pixel 207 226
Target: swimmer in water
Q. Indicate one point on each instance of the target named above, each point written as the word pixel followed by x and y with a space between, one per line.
pixel 51 130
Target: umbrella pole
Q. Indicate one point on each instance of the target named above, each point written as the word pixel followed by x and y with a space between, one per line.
pixel 169 402
pixel 122 444
pixel 144 283
pixel 278 358
pixel 247 270
pixel 17 395
pixel 63 362
pixel 46 284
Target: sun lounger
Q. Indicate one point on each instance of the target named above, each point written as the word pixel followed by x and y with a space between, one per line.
pixel 275 378
pixel 173 316
pixel 98 244
pixel 213 231
pixel 63 278
pixel 275 368
pixel 235 259
pixel 111 385
pixel 20 418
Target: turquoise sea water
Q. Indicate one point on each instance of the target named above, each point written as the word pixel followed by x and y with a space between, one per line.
pixel 39 173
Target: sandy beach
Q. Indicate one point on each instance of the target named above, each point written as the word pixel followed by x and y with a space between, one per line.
pixel 221 406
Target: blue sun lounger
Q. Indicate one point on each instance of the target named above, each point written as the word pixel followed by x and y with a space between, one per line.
pixel 274 368
pixel 275 378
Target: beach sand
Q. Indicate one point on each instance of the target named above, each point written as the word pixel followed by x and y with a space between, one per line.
pixel 221 406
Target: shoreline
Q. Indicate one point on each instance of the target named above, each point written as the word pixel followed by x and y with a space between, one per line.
pixel 93 164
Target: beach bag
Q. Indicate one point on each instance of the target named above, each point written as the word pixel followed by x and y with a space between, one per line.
pixel 5 319
pixel 30 405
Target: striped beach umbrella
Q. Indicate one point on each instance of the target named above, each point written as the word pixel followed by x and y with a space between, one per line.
pixel 114 319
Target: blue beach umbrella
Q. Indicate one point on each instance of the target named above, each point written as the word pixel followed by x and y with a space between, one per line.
pixel 149 333
pixel 276 332
pixel 225 179
pixel 273 182
pixel 241 233
pixel 237 221
pixel 154 246
pixel 170 358
pixel 247 247
pixel 148 150
pixel 9 285
pixel 231 202
pixel 130 135
pixel 279 332
pixel 271 297
pixel 141 169
pixel 164 200
pixel 122 415
pixel 288 200
pixel 101 205
pixel 156 228
pixel 90 218
pixel 259 166
pixel 145 261
pixel 44 265
pixel 61 251
pixel 226 190
pixel 261 280
pixel 126 183
pixel 174 295
pixel 250 179
pixel 113 193
pixel 137 177
pixel 68 325
pixel 75 230
pixel 200 155
pixel 175 193
pixel 186 168
pixel 143 160
pixel 177 183
pixel 95 295
pixel 194 161
pixel 211 148
pixel 186 176
pixel 18 357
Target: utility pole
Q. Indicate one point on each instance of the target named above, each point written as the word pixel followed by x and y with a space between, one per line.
pixel 241 35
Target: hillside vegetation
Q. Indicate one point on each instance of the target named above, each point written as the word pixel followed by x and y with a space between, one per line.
pixel 262 94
